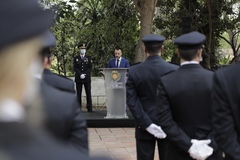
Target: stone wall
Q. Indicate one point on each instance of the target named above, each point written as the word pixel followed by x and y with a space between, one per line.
pixel 98 92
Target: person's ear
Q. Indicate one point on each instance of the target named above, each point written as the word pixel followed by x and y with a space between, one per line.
pixel 161 51
pixel 145 50
pixel 45 61
pixel 200 52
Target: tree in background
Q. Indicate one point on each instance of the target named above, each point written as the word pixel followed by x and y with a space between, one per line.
pixel 232 18
pixel 207 17
pixel 101 25
pixel 146 9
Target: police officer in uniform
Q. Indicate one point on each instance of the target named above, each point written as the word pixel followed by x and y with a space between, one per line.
pixel 184 104
pixel 226 110
pixel 52 79
pixel 82 66
pixel 141 97
pixel 61 104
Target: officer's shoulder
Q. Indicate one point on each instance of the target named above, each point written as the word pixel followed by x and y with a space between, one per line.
pixel 172 66
pixel 208 71
pixel 53 93
pixel 229 70
pixel 63 77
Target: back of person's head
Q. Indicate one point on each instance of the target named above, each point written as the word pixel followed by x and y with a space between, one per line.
pixel 22 25
pixel 46 54
pixel 153 44
pixel 188 55
pixel 190 45
pixel 153 48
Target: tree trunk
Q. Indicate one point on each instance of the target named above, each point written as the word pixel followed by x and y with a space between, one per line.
pixel 146 9
pixel 210 34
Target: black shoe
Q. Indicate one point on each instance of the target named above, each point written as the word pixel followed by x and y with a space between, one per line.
pixel 89 108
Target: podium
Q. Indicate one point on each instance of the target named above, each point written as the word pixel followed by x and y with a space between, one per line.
pixel 114 81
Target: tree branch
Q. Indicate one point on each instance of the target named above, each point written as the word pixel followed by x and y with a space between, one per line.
pixel 238 48
pixel 225 40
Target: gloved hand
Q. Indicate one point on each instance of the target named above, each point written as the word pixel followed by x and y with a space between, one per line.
pixel 160 133
pixel 200 149
pixel 156 131
pixel 82 76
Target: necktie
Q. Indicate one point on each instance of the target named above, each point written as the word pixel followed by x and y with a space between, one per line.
pixel 117 63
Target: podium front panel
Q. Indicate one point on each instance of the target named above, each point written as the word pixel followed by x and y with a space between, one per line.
pixel 115 87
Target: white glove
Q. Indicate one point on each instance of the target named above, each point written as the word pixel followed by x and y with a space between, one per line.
pixel 200 149
pixel 160 133
pixel 82 76
pixel 156 131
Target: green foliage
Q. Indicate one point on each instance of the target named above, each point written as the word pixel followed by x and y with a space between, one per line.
pixel 223 43
pixel 220 17
pixel 224 60
pixel 101 25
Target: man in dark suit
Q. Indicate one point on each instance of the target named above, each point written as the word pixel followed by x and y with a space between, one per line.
pixel 82 66
pixel 118 61
pixel 184 104
pixel 141 97
pixel 52 79
pixel 64 119
pixel 226 110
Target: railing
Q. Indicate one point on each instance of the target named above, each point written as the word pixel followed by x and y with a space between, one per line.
pixel 97 104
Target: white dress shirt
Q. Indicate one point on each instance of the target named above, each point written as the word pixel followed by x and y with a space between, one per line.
pixel 189 62
pixel 118 62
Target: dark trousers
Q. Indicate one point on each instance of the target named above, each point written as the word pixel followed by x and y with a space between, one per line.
pixel 146 148
pixel 87 87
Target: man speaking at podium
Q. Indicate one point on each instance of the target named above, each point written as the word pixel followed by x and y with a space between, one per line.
pixel 118 61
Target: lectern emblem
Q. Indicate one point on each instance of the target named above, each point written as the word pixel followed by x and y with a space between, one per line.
pixel 115 76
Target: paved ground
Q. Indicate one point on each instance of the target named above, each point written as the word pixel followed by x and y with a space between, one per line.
pixel 117 143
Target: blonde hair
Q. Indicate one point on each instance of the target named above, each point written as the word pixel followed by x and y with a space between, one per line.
pixel 14 63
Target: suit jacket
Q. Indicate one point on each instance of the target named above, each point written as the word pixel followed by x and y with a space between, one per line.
pixel 57 81
pixel 123 63
pixel 226 110
pixel 184 105
pixel 141 92
pixel 19 141
pixel 64 118
pixel 82 66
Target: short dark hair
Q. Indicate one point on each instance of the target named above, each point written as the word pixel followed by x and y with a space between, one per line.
pixel 188 55
pixel 153 48
pixel 118 48
pixel 46 52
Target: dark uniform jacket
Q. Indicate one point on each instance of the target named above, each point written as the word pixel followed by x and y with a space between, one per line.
pixel 141 92
pixel 184 105
pixel 64 118
pixel 226 110
pixel 18 141
pixel 58 82
pixel 82 66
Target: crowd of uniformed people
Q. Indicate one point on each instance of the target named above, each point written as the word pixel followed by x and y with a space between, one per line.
pixel 190 112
